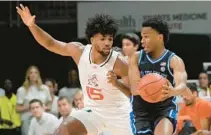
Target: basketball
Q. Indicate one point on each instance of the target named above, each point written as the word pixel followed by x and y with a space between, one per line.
pixel 149 87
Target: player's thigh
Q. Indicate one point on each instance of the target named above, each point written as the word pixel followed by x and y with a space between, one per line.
pixel 119 126
pixel 92 122
pixel 166 122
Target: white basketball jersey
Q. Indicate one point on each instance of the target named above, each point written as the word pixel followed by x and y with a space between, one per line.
pixel 99 95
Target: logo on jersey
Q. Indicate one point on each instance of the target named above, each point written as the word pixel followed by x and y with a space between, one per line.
pixel 93 80
pixel 162 69
pixel 163 64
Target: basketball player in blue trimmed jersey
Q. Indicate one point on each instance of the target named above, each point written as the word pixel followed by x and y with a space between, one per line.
pixel 156 118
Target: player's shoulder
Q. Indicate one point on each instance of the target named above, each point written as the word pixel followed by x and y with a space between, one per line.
pixel 77 44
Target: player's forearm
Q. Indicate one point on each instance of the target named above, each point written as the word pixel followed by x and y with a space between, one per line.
pixel 134 77
pixel 42 37
pixel 123 88
pixel 180 89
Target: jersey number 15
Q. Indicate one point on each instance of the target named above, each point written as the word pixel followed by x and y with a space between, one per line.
pixel 94 94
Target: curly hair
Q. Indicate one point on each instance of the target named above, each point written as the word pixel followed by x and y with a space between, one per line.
pixel 159 25
pixel 101 23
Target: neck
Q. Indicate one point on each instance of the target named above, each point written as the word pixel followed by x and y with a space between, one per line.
pixel 156 54
pixel 52 96
pixel 8 95
pixel 64 117
pixel 97 58
pixel 204 88
pixel 33 83
pixel 194 101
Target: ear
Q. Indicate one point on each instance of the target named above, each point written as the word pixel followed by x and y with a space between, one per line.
pixel 195 94
pixel 136 47
pixel 160 37
pixel 91 40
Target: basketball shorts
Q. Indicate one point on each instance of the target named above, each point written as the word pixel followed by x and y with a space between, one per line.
pixel 96 125
pixel 147 116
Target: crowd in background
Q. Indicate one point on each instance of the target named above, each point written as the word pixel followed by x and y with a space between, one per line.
pixel 36 107
pixel 36 110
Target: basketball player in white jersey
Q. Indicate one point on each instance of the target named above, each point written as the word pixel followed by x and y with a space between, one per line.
pixel 105 98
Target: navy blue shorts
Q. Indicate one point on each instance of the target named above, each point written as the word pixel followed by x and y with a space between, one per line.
pixel 146 116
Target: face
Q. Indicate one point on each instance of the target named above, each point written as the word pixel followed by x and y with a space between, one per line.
pixel 150 39
pixel 102 43
pixel 203 80
pixel 79 100
pixel 33 75
pixel 64 107
pixel 128 47
pixel 8 85
pixel 50 86
pixel 73 75
pixel 36 109
pixel 189 100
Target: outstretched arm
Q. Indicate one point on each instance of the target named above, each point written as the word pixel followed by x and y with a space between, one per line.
pixel 73 49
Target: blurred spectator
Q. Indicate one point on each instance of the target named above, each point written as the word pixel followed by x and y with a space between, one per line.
pixel 78 100
pixel 32 88
pixel 72 87
pixel 42 123
pixel 2 92
pixel 209 85
pixel 9 119
pixel 65 108
pixel 52 88
pixel 197 110
pixel 203 85
pixel 130 43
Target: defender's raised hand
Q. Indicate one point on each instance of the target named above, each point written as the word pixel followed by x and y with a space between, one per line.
pixel 25 15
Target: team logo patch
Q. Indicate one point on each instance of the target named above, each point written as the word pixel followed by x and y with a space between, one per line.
pixel 93 80
pixel 162 69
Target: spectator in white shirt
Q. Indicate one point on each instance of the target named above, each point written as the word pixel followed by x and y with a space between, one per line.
pixel 65 108
pixel 32 88
pixel 42 123
pixel 51 83
pixel 72 87
pixel 78 100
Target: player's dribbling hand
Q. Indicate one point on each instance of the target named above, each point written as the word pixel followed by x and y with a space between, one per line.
pixel 112 78
pixel 167 91
pixel 25 15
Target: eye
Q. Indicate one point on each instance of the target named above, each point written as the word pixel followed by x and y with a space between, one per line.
pixel 102 39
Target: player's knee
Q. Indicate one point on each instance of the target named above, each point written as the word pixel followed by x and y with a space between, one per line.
pixel 72 126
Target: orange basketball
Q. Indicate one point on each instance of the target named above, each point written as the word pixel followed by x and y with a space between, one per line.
pixel 149 87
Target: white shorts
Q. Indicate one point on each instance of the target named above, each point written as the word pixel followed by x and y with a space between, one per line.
pixel 96 125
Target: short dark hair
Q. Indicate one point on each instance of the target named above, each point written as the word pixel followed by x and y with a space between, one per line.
pixel 192 87
pixel 50 80
pixel 101 23
pixel 64 97
pixel 132 37
pixel 203 72
pixel 159 25
pixel 35 101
